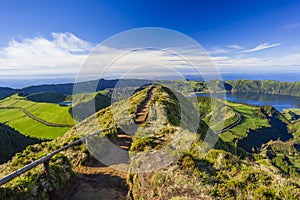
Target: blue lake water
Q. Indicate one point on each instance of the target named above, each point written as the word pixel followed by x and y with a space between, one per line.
pixel 280 102
pixel 66 103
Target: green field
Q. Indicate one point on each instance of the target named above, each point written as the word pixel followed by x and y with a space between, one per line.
pixel 229 118
pixel 249 121
pixel 46 111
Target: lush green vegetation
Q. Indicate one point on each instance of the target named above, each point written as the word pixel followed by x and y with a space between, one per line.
pixel 49 112
pixel 294 128
pixel 292 114
pixel 224 172
pixel 33 184
pixel 266 86
pixel 250 120
pixel 27 126
pixel 11 142
pixel 246 86
pixel 88 105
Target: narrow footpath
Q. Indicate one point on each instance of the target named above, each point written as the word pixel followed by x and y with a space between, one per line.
pixel 97 181
pixel 231 125
pixel 36 118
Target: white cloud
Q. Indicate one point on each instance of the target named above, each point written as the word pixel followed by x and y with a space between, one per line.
pixel 64 52
pixel 261 47
pixel 70 42
pixel 225 49
pixel 235 46
pixel 218 51
pixel 291 61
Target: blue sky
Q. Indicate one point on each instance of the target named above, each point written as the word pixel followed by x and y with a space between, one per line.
pixel 241 36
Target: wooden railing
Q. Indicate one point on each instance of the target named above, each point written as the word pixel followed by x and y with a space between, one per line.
pixel 45 160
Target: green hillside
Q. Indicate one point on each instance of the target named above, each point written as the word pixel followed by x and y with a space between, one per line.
pixel 45 107
pixel 47 97
pixel 265 86
pixel 32 184
pixel 224 172
pixel 258 125
pixel 11 142
pixel 219 174
pixel 249 86
pixel 88 104
pixel 17 119
pixel 5 92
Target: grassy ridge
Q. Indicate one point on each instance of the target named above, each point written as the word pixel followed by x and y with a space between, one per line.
pixel 249 121
pixel 265 86
pixel 32 184
pixel 218 174
pixel 46 111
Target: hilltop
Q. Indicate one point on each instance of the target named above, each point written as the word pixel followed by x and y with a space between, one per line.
pixel 225 171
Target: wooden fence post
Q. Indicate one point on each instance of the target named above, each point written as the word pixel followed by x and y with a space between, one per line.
pixel 48 177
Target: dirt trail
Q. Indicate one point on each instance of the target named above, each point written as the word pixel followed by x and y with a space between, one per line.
pixel 235 123
pixel 143 111
pixel 36 118
pixel 94 180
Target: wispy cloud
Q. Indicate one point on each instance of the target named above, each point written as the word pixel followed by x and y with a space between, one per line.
pixel 245 62
pixel 218 51
pixel 225 49
pixel 292 26
pixel 261 47
pixel 235 46
pixel 64 54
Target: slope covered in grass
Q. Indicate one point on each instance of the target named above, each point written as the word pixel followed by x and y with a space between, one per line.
pixel 258 125
pixel 11 142
pixel 49 112
pixel 33 184
pixel 88 104
pixel 222 173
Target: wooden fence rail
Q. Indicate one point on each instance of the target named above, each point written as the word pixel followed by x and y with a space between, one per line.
pixel 47 158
